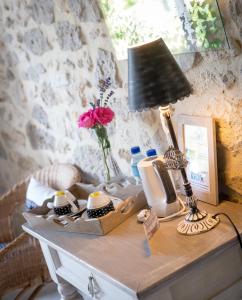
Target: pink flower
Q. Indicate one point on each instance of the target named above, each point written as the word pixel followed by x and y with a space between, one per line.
pixel 86 120
pixel 103 115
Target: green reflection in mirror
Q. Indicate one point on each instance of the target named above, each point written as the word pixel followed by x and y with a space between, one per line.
pixel 185 25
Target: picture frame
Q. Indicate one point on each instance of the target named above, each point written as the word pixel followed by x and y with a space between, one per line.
pixel 197 140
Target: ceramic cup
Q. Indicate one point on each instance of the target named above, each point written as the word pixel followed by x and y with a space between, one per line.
pixel 98 205
pixel 65 203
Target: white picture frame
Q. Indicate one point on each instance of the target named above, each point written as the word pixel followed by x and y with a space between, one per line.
pixel 197 140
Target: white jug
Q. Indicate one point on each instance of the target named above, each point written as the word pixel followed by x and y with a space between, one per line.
pixel 158 186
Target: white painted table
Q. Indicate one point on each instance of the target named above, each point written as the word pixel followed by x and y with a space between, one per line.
pixel 207 266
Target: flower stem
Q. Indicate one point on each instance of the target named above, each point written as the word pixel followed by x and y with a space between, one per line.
pixel 105 146
pixel 105 159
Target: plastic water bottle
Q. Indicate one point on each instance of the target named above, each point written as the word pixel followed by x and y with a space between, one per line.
pixel 136 157
pixel 151 152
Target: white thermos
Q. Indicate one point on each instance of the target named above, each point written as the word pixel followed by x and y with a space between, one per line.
pixel 158 186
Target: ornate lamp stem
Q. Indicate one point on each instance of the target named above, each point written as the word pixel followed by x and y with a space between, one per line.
pixel 196 221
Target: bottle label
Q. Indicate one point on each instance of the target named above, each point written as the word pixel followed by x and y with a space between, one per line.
pixel 135 170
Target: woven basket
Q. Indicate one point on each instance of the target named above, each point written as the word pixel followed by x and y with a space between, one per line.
pixel 22 263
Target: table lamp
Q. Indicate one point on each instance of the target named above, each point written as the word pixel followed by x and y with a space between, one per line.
pixel 156 80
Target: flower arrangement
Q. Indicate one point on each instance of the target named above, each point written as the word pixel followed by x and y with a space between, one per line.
pixel 97 118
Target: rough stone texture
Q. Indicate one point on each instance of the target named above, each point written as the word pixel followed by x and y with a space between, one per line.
pixel 70 37
pixel 10 75
pixel 188 61
pixel 70 63
pixel 1 14
pixel 40 115
pixel 3 153
pixel 39 139
pixel 125 154
pixel 2 112
pixel 185 61
pixel 231 14
pixel 229 79
pixel 236 13
pixel 19 37
pixel 107 67
pixel 62 80
pixel 9 22
pixel 53 54
pixel 36 42
pixel 26 163
pixel 43 11
pixel 12 59
pixel 48 95
pixel 2 61
pixel 34 72
pixel 7 38
pixel 86 62
pixel 85 11
pixel 4 96
pixel 89 165
pixel 13 137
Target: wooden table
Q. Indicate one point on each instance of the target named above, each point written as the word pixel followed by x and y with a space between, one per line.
pixel 120 265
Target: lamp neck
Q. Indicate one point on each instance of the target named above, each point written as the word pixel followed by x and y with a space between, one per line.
pixel 167 126
pixel 166 113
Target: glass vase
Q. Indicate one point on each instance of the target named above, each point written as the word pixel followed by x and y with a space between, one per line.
pixel 111 169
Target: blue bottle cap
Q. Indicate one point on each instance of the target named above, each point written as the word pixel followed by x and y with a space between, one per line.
pixel 151 152
pixel 135 150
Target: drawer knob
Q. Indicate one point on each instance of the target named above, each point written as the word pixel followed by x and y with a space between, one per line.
pixel 92 287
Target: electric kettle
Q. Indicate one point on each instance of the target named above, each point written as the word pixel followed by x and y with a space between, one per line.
pixel 158 186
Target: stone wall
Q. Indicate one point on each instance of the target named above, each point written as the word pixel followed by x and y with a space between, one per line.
pixel 52 55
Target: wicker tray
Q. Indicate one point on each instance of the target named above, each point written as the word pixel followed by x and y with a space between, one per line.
pixel 98 226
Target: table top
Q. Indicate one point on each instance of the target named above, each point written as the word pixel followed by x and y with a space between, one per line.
pixel 123 256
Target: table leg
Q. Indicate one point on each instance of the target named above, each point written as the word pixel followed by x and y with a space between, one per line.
pixel 67 291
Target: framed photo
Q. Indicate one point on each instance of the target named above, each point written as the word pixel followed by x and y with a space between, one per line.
pixel 197 140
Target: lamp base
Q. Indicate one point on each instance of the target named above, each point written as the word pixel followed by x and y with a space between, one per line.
pixel 197 223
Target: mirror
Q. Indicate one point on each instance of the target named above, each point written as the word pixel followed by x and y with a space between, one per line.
pixel 184 25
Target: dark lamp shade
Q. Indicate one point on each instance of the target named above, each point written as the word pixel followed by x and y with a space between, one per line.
pixel 154 77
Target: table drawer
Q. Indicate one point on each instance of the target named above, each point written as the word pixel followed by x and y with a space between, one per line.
pixel 88 281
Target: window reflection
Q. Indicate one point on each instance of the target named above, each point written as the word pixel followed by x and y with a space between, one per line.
pixel 185 25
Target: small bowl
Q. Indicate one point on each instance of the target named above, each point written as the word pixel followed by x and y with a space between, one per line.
pixel 98 205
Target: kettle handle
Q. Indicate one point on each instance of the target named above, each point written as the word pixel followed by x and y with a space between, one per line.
pixel 163 175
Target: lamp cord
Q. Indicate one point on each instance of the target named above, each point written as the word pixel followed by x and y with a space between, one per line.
pixel 181 212
pixel 235 228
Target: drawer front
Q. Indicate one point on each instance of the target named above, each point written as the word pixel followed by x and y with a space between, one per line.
pixel 215 278
pixel 234 292
pixel 88 282
pixel 211 276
